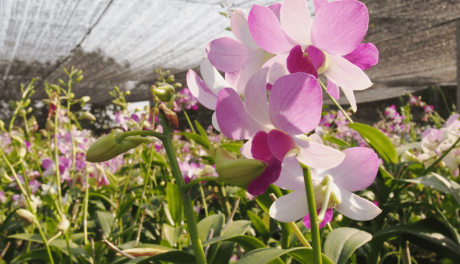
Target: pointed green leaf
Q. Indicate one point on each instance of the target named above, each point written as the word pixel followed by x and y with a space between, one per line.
pixel 201 130
pixel 259 225
pixel 198 138
pixel 337 141
pixel 106 220
pixel 174 199
pixel 342 242
pixel 266 255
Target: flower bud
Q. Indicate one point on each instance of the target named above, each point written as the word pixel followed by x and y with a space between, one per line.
pixel 107 147
pixel 22 152
pixel 85 99
pixel 164 92
pixel 4 177
pixel 170 115
pixel 128 93
pixel 17 139
pixel 79 78
pixel 26 216
pixel 236 171
pixel 87 115
pixel 63 225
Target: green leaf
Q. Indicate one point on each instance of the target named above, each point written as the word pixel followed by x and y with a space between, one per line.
pixel 248 243
pixel 174 199
pixel 337 141
pixel 237 228
pixel 173 256
pixel 342 242
pixel 38 255
pixel 266 255
pixel 215 222
pixel 439 183
pixel 429 233
pixel 225 251
pixel 378 141
pixel 201 130
pixel 106 220
pixel 198 138
pixel 259 225
pixel 172 234
pixel 58 243
pixel 233 147
pixel 103 197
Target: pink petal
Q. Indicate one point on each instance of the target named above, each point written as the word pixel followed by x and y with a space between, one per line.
pixel 269 86
pixel 333 89
pixel 269 176
pixel 240 28
pixel 228 55
pixel 291 176
pixel 357 208
pixel 364 56
pixel 277 67
pixel 317 155
pixel 276 9
pixel 318 4
pixel 266 31
pixel 255 97
pixel 253 65
pixel 296 21
pixel 316 56
pixel 200 90
pixel 280 143
pixel 290 207
pixel 232 78
pixel 298 62
pixel 346 75
pixel 259 148
pixel 357 171
pixel 295 103
pixel 327 218
pixel 233 119
pixel 245 150
pixel 339 27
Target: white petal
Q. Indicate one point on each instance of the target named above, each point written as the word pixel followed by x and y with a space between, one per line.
pixel 296 21
pixel 255 97
pixel 291 207
pixel 240 28
pixel 350 95
pixel 254 64
pixel 315 138
pixel 214 122
pixel 345 74
pixel 212 77
pixel 357 208
pixel 317 155
pixel 291 176
pixel 277 67
pixel 245 150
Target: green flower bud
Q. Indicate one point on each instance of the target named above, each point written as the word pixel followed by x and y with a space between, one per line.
pixel 236 171
pixel 63 225
pixel 26 216
pixel 4 177
pixel 17 139
pixel 85 99
pixel 164 92
pixel 22 152
pixel 79 78
pixel 87 115
pixel 2 125
pixel 107 147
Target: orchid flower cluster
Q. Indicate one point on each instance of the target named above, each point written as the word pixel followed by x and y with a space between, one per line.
pixel 281 49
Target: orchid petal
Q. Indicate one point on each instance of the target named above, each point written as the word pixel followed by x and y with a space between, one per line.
pixel 214 121
pixel 339 27
pixel 245 150
pixel 358 169
pixel 228 55
pixel 317 155
pixel 346 75
pixel 259 148
pixel 267 32
pixel 233 119
pixel 350 95
pixel 276 8
pixel 253 65
pixel 291 176
pixel 296 21
pixel 295 103
pixel 290 207
pixel 357 208
pixel 200 90
pixel 317 56
pixel 327 218
pixel 364 56
pixel 277 67
pixel 212 77
pixel 232 78
pixel 269 176
pixel 240 28
pixel 316 138
pixel 333 89
pixel 255 97
pixel 318 4
pixel 297 62
pixel 280 143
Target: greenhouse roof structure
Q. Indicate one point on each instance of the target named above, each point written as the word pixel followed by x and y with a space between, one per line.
pixel 118 42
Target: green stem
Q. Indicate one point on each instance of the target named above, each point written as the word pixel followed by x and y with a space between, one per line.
pixel 335 102
pixel 313 217
pixel 191 183
pixel 27 197
pixel 123 135
pixel 299 234
pixel 189 122
pixel 188 207
pixel 203 201
pixel 56 158
pixel 440 158
pixel 85 213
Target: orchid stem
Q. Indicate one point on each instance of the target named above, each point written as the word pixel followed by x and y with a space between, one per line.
pixel 336 103
pixel 313 217
pixel 189 122
pixel 187 201
pixel 85 213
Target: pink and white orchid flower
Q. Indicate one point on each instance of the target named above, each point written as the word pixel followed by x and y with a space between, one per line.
pixel 276 129
pixel 242 55
pixel 332 41
pixel 206 91
pixel 356 172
